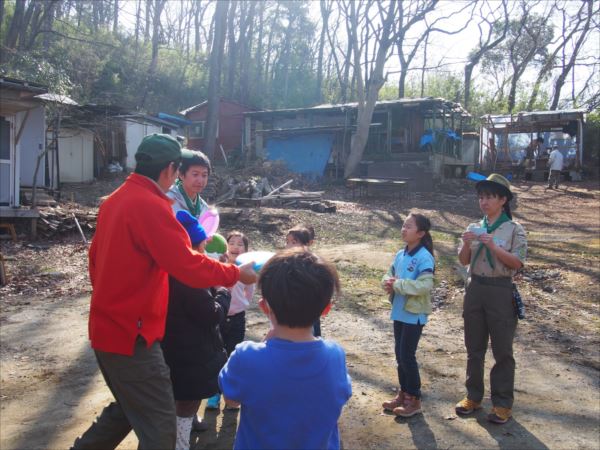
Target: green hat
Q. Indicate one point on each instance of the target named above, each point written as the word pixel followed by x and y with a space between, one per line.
pixel 497 180
pixel 158 149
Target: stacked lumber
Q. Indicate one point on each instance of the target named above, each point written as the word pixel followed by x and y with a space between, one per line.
pixel 59 220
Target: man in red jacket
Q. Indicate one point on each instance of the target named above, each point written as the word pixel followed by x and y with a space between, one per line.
pixel 138 243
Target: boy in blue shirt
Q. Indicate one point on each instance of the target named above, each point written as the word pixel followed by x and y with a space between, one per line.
pixel 278 382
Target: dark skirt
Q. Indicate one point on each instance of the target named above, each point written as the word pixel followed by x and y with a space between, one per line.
pixel 194 377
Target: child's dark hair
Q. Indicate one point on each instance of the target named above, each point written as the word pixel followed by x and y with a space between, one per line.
pixel 239 234
pixel 197 159
pixel 311 231
pixel 298 285
pixel 497 190
pixel 301 234
pixel 424 224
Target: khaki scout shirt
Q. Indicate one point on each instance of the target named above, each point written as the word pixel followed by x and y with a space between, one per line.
pixel 511 237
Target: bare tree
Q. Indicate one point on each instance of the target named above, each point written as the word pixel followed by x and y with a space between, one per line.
pixel 436 26
pixel 246 38
pixel 115 27
pixel 232 49
pixel 325 7
pixel 214 82
pixel 390 26
pixel 258 56
pixel 567 66
pixel 15 25
pixel 531 37
pixel 157 11
pixel 489 17
pixel 368 90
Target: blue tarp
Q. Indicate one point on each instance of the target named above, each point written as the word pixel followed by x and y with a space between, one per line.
pixel 428 136
pixel 306 154
pixel 181 121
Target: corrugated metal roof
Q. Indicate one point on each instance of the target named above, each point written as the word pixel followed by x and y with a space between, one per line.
pixel 408 102
pixel 57 98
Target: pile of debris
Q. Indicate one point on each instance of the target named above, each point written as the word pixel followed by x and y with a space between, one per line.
pixel 258 191
pixel 55 220
pixel 266 183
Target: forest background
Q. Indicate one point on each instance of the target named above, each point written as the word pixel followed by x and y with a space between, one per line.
pixel 493 56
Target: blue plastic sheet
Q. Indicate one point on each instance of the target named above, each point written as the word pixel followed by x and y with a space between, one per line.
pixel 306 153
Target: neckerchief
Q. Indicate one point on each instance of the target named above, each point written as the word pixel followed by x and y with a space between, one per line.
pixel 490 229
pixel 193 207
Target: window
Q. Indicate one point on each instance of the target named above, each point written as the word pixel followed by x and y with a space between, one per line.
pixel 196 130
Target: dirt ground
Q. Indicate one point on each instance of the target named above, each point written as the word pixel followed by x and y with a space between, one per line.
pixel 51 390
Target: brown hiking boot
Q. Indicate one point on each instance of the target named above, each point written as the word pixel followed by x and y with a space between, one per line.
pixel 500 415
pixel 411 406
pixel 394 403
pixel 466 407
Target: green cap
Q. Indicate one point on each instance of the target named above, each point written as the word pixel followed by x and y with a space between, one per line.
pixel 158 149
pixel 498 179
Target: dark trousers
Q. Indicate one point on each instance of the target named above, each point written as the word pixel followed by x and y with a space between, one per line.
pixel 407 338
pixel 489 314
pixel 233 331
pixel 144 401
pixel 554 178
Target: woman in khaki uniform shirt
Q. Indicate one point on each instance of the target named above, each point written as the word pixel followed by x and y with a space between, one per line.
pixel 494 250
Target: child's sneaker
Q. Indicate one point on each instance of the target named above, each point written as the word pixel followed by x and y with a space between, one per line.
pixel 466 407
pixel 199 424
pixel 411 406
pixel 500 415
pixel 394 403
pixel 213 402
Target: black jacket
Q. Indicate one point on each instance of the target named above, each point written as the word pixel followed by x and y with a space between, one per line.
pixel 192 346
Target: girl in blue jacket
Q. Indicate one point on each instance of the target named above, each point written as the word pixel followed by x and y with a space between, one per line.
pixel 409 283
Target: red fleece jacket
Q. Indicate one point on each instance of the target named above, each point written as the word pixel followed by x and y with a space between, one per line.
pixel 138 243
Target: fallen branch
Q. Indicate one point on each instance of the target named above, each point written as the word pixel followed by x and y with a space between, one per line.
pixel 79 228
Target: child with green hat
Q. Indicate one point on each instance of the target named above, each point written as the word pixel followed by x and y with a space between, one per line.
pixel 494 249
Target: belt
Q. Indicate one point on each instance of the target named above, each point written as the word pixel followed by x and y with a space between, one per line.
pixel 493 281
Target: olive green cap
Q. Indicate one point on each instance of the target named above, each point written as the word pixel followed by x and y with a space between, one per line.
pixel 158 149
pixel 497 179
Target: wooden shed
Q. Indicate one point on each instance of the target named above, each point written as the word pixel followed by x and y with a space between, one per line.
pixel 229 125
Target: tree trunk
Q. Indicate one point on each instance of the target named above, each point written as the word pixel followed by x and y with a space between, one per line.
pixel 158 8
pixel 1 16
pixel 196 29
pixel 245 50
pixel 560 81
pixel 148 11
pixel 15 25
pixel 138 12
pixel 325 11
pixel 216 58
pixel 366 101
pixel 258 58
pixel 33 8
pixel 231 49
pixel 115 27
